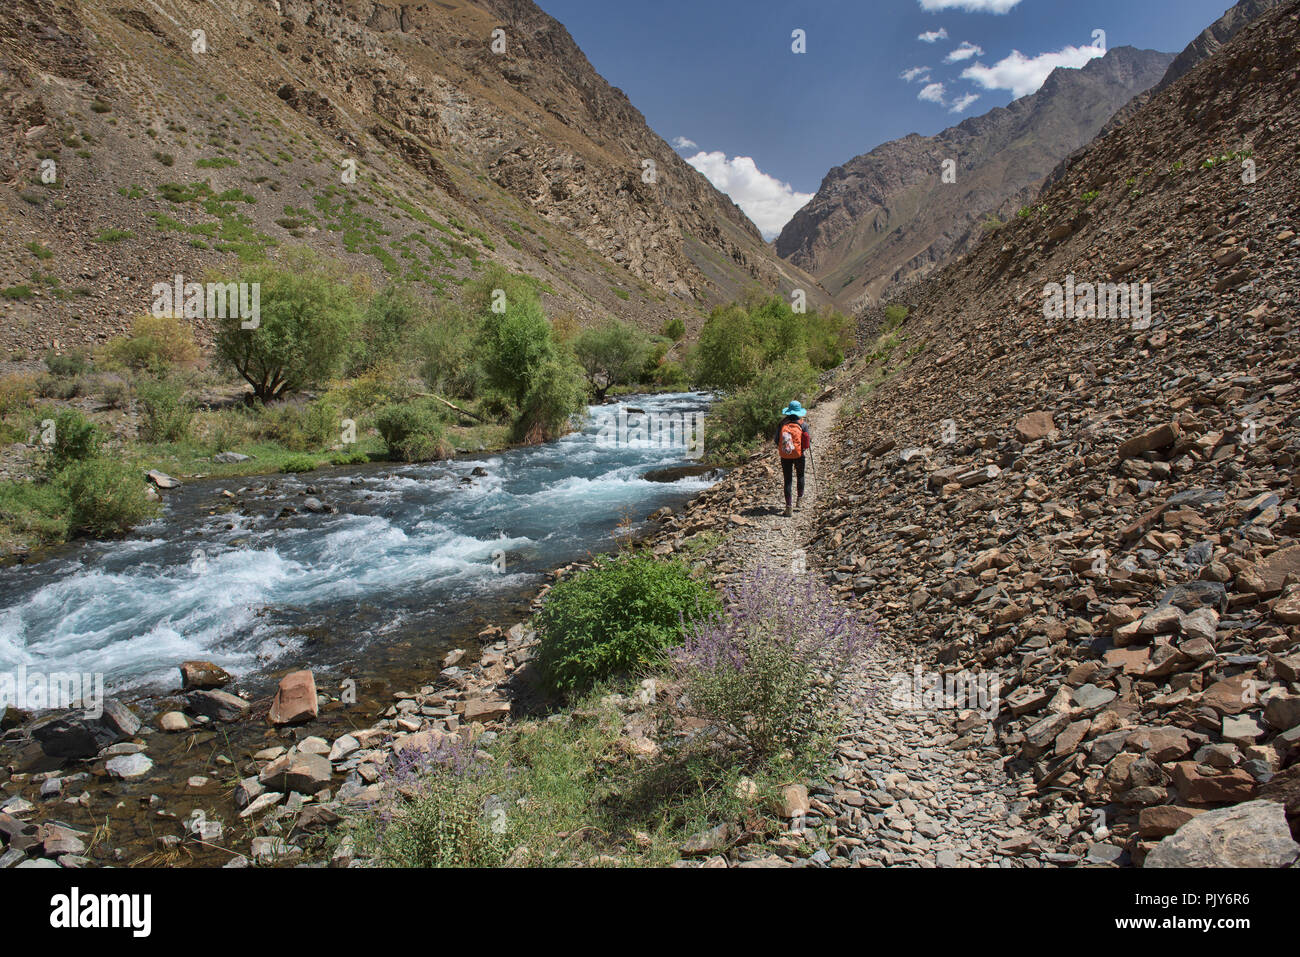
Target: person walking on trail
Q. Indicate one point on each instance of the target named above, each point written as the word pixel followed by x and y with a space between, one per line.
pixel 792 440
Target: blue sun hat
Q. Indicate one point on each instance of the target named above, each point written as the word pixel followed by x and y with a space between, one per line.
pixel 794 408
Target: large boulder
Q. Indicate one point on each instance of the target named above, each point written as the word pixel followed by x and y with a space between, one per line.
pixel 304 773
pixel 295 699
pixel 76 734
pixel 1254 834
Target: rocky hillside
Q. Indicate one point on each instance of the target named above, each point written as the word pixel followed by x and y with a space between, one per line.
pixel 142 139
pixel 1104 512
pixel 885 217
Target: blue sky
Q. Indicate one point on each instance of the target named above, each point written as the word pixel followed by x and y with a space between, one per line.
pixel 720 78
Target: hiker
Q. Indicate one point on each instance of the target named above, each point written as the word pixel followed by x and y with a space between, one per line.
pixel 792 440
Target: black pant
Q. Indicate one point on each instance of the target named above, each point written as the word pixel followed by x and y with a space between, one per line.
pixel 790 467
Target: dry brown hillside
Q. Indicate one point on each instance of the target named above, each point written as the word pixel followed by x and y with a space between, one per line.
pixel 1105 513
pixel 134 147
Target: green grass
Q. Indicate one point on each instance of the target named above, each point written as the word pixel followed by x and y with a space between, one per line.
pixel 114 236
pixel 18 292
pixel 31 514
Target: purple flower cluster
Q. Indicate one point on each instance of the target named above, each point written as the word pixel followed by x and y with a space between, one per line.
pixel 773 606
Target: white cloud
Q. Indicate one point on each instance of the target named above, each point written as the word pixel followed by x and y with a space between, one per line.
pixel 916 73
pixel 1023 75
pixel 932 93
pixel 768 202
pixel 933 36
pixel 963 52
pixel 970 6
pixel 962 103
pixel 682 143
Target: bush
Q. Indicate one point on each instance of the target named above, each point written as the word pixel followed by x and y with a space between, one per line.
pixel 739 341
pixel 556 396
pixel 105 497
pixel 155 344
pixel 165 412
pixel 441 818
pixel 616 619
pixel 299 463
pixel 445 347
pixel 386 324
pixel 674 329
pixel 76 439
pixel 17 393
pixel 756 409
pixel 303 428
pixel 413 432
pixel 768 671
pixel 115 392
pixel 68 365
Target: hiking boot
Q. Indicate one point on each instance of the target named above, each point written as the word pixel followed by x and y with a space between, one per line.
pixel 788 511
pixel 797 503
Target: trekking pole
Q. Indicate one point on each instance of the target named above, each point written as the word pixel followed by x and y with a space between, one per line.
pixel 812 462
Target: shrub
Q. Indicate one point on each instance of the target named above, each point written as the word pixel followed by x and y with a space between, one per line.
pixel 445 347
pixel 17 393
pixel 413 432
pixel 302 428
pixel 155 343
pixel 557 394
pixel 756 409
pixel 387 323
pixel 105 497
pixel 299 463
pixel 767 672
pixel 442 817
pixel 67 365
pixel 115 392
pixel 76 438
pixel 166 412
pixel 674 329
pixel 616 619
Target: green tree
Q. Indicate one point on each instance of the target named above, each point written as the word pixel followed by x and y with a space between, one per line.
pixel 611 354
pixel 309 311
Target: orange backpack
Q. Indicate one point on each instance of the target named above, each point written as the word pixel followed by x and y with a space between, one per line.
pixel 792 441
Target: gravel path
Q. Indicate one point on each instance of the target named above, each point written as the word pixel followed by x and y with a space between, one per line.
pixel 922 788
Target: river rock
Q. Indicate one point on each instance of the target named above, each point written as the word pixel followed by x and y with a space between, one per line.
pixel 295 699
pixel 129 767
pixel 173 721
pixel 230 458
pixel 75 734
pixel 202 676
pixel 162 479
pixel 1254 834
pixel 217 705
pixel 304 773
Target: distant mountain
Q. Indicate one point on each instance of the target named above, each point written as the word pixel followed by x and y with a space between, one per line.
pixel 170 155
pixel 886 217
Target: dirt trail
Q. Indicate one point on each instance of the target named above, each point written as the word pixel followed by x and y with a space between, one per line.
pixel 911 787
